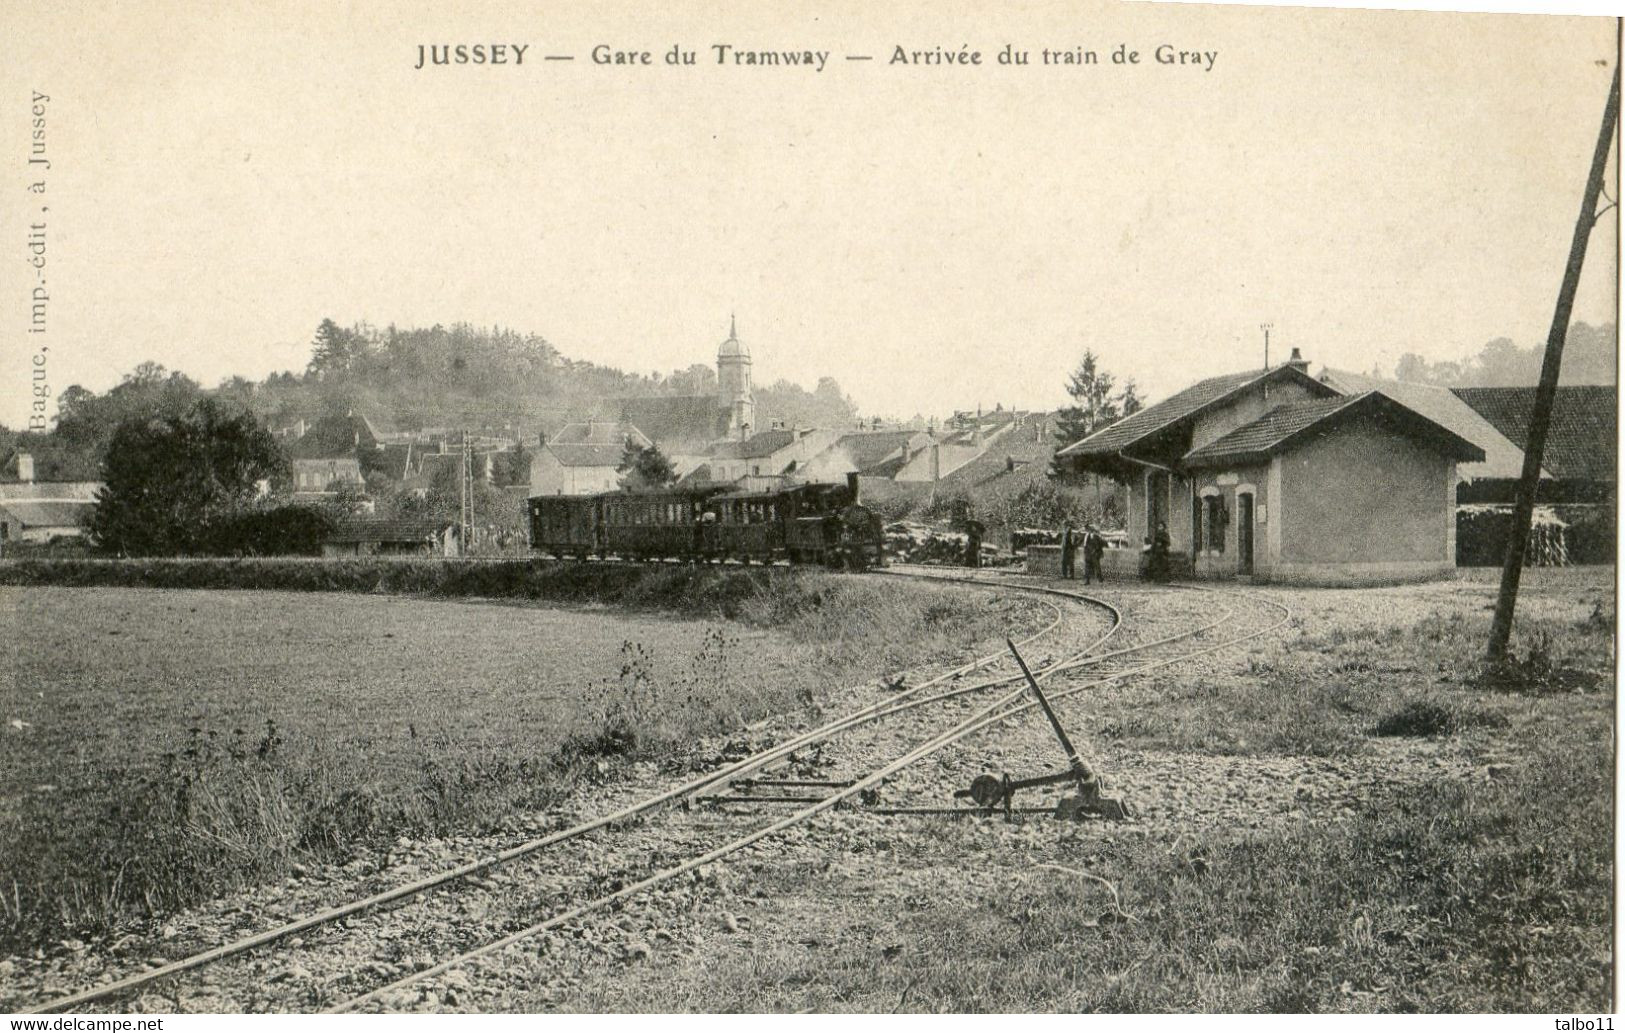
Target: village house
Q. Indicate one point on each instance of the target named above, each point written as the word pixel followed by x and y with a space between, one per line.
pixel 582 458
pixel 330 455
pixel 44 501
pixel 868 453
pixel 1273 475
pixel 770 453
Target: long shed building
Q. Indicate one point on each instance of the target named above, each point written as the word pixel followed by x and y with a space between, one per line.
pixel 1273 475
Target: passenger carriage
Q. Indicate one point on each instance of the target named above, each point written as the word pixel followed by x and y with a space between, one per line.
pixel 566 525
pixel 807 523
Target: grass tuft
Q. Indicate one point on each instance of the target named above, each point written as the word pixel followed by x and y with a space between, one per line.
pixel 168 750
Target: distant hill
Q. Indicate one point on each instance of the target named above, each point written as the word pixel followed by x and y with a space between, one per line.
pixel 492 382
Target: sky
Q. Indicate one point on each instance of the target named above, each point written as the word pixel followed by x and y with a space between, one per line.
pixel 936 237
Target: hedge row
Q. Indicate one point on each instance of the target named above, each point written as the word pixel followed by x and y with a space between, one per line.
pixel 652 586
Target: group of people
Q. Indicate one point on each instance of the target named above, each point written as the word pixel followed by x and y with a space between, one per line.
pixel 1093 546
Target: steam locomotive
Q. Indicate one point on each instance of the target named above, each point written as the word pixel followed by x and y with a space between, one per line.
pixel 804 523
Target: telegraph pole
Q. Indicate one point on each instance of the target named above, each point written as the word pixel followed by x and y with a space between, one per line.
pixel 1540 419
pixel 465 497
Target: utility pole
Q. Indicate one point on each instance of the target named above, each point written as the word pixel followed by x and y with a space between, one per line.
pixel 1540 419
pixel 465 497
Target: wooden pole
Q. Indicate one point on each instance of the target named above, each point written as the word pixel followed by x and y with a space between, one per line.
pixel 1523 512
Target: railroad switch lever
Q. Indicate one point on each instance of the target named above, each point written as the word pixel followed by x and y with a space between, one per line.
pixel 992 791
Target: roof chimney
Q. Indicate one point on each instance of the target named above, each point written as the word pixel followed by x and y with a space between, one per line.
pixel 1298 362
pixel 25 467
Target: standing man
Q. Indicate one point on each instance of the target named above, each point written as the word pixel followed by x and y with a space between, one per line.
pixel 1069 548
pixel 1094 547
pixel 973 543
pixel 1160 546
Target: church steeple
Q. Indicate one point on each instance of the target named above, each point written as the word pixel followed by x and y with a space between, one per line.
pixel 733 382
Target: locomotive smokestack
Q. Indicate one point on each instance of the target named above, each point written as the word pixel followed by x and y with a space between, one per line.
pixel 852 485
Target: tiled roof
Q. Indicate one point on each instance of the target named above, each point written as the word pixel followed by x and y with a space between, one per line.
pixel 1279 427
pixel 332 437
pixel 607 432
pixel 676 417
pixel 1502 458
pixel 697 477
pixel 50 491
pixel 1175 408
pixel 757 446
pixel 46 514
pixel 587 455
pixel 385 531
pixel 52 463
pixel 1582 443
pixel 868 449
pixel 1270 430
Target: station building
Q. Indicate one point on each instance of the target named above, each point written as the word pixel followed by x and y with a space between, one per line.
pixel 1272 475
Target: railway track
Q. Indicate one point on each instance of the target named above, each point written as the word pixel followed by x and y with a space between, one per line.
pixel 936 714
pixel 1102 669
pixel 933 690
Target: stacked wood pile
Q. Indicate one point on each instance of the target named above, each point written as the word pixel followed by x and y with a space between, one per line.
pixel 1481 537
pixel 910 542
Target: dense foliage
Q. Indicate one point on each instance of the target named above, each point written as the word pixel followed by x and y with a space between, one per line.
pixel 643 467
pixel 173 481
pixel 1589 357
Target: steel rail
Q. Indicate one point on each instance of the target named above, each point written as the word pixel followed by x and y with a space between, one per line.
pixel 1005 707
pixel 874 711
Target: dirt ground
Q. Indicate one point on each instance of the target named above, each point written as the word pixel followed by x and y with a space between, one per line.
pixel 1344 814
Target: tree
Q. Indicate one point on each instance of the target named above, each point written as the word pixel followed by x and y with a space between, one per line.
pixel 335 349
pixel 171 479
pixel 1094 403
pixel 1129 399
pixel 645 467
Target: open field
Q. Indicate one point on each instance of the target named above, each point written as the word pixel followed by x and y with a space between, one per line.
pixel 164 745
pixel 1420 834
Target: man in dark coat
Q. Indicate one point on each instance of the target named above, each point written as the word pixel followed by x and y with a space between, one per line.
pixel 1161 543
pixel 973 543
pixel 1069 550
pixel 1094 547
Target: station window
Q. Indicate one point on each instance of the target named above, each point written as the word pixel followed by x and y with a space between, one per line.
pixel 1216 517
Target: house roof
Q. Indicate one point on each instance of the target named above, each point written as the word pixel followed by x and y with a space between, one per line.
pixel 51 463
pixel 361 530
pixel 676 417
pixel 698 477
pixel 599 432
pixel 1503 458
pixel 32 513
pixel 757 446
pixel 1187 403
pixel 868 449
pixel 1582 442
pixel 50 491
pixel 1288 425
pixel 333 437
pixel 586 455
